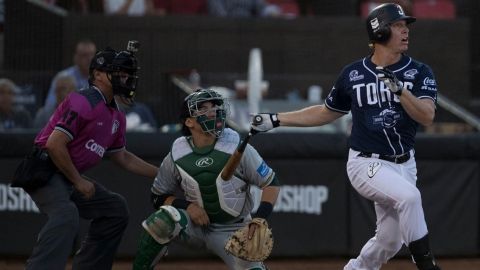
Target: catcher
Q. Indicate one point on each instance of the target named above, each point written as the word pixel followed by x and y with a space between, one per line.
pixel 212 213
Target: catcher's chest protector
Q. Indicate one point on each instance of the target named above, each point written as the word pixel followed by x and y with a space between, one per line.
pixel 199 171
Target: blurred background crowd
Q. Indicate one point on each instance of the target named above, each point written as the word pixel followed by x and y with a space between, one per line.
pixel 29 92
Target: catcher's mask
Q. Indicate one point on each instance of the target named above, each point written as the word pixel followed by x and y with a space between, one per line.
pixel 380 19
pixel 211 120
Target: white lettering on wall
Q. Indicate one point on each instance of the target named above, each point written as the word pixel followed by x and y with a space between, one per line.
pixel 297 199
pixel 15 200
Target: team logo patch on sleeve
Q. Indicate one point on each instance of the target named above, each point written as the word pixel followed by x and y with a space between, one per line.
pixel 263 169
pixel 355 76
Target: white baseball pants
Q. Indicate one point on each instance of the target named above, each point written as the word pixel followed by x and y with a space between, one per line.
pixel 398 207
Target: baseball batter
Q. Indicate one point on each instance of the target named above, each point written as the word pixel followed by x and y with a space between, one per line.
pixel 389 94
pixel 210 209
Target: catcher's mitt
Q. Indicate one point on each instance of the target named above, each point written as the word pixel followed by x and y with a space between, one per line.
pixel 256 249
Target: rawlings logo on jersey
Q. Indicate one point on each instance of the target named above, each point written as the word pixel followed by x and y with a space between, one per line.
pixel 410 74
pixel 387 118
pixel 204 162
pixel 354 76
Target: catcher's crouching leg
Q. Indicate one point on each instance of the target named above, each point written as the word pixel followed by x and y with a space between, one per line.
pixel 160 228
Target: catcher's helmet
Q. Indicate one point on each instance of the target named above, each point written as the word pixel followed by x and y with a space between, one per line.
pixel 125 84
pixel 380 19
pixel 191 107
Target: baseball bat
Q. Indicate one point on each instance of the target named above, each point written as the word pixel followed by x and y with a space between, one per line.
pixel 235 158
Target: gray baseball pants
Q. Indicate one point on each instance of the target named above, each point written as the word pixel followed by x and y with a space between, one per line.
pixel 63 205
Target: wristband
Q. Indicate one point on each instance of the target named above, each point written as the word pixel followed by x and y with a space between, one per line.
pixel 180 203
pixel 275 121
pixel 264 210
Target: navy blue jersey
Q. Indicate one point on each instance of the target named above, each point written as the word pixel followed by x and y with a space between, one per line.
pixel 380 124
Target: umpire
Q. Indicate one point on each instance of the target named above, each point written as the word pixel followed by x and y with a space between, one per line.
pixel 86 126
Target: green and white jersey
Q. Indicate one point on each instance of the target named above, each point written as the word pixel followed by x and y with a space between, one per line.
pixel 195 172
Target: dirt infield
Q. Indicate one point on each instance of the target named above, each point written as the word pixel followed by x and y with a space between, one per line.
pixel 290 264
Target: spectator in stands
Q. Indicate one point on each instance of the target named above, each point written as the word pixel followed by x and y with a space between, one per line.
pixel 242 8
pixel 64 84
pixel 139 117
pixel 84 52
pixel 11 116
pixel 128 7
pixel 182 7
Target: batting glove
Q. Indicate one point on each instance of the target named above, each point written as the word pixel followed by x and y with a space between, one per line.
pixel 390 80
pixel 264 122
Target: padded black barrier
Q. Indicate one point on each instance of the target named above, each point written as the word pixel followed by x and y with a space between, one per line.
pixel 332 218
pixel 276 145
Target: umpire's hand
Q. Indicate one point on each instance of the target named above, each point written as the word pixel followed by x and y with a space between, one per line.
pixel 264 122
pixel 85 187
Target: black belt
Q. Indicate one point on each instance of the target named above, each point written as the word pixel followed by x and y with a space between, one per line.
pixel 395 159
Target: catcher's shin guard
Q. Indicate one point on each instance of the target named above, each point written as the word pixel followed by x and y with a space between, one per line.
pixel 165 224
pixel 149 252
pixel 421 254
pixel 160 228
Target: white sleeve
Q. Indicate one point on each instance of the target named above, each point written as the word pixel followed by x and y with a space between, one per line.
pixel 254 169
pixel 167 180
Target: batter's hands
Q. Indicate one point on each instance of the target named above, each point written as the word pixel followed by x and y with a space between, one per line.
pixel 390 80
pixel 264 122
pixel 198 215
pixel 85 187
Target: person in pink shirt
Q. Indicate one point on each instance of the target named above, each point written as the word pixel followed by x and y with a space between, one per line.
pixel 85 127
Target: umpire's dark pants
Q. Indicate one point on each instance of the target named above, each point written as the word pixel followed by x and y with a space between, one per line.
pixel 64 205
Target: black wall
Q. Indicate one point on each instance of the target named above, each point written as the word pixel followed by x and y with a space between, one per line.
pixel 330 217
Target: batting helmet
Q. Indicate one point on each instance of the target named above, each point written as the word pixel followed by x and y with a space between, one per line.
pixel 380 19
pixel 191 107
